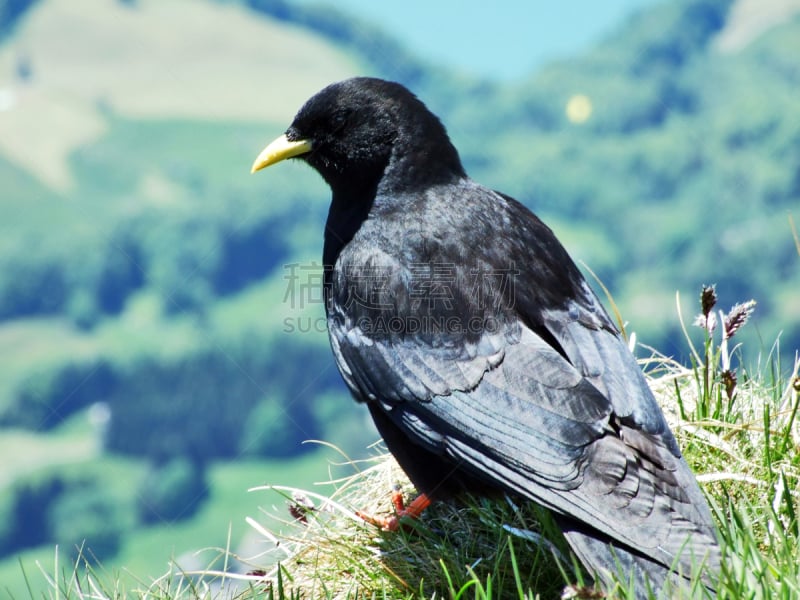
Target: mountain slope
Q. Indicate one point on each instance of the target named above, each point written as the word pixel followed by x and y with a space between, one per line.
pixel 78 64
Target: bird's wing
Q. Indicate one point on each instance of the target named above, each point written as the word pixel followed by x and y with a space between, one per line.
pixel 574 428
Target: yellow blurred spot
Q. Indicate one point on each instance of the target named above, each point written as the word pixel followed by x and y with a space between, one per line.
pixel 579 108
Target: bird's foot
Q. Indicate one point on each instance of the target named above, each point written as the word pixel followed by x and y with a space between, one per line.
pixel 414 510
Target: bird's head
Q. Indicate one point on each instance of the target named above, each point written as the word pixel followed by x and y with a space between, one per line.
pixel 363 134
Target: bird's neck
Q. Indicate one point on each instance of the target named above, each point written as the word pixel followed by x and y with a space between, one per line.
pixel 346 214
pixel 385 186
pixel 415 169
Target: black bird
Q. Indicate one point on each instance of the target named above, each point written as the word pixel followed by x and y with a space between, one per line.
pixel 484 357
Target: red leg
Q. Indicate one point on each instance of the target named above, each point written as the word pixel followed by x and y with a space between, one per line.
pixel 397 500
pixel 413 510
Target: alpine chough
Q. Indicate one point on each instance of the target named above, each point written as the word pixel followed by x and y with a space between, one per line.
pixel 484 357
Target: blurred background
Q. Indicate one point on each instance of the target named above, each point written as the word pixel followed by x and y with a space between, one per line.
pixel 162 339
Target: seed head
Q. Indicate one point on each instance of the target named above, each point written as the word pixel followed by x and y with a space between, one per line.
pixel 708 298
pixel 738 316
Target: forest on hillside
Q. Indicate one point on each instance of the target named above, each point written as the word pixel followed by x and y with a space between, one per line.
pixel 187 324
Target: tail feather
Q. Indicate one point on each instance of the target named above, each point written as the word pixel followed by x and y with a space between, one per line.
pixel 649 578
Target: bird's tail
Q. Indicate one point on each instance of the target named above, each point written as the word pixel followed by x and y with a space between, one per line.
pixel 609 562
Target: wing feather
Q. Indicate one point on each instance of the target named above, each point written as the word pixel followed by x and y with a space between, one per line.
pixel 572 433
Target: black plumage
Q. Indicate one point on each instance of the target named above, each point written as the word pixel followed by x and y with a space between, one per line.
pixel 484 357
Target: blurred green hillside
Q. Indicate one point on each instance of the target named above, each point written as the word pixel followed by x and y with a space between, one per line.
pixel 160 322
pixel 686 172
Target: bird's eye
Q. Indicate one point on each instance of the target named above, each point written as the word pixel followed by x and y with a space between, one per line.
pixel 340 120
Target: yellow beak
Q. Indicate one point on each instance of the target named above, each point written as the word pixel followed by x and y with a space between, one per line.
pixel 281 149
